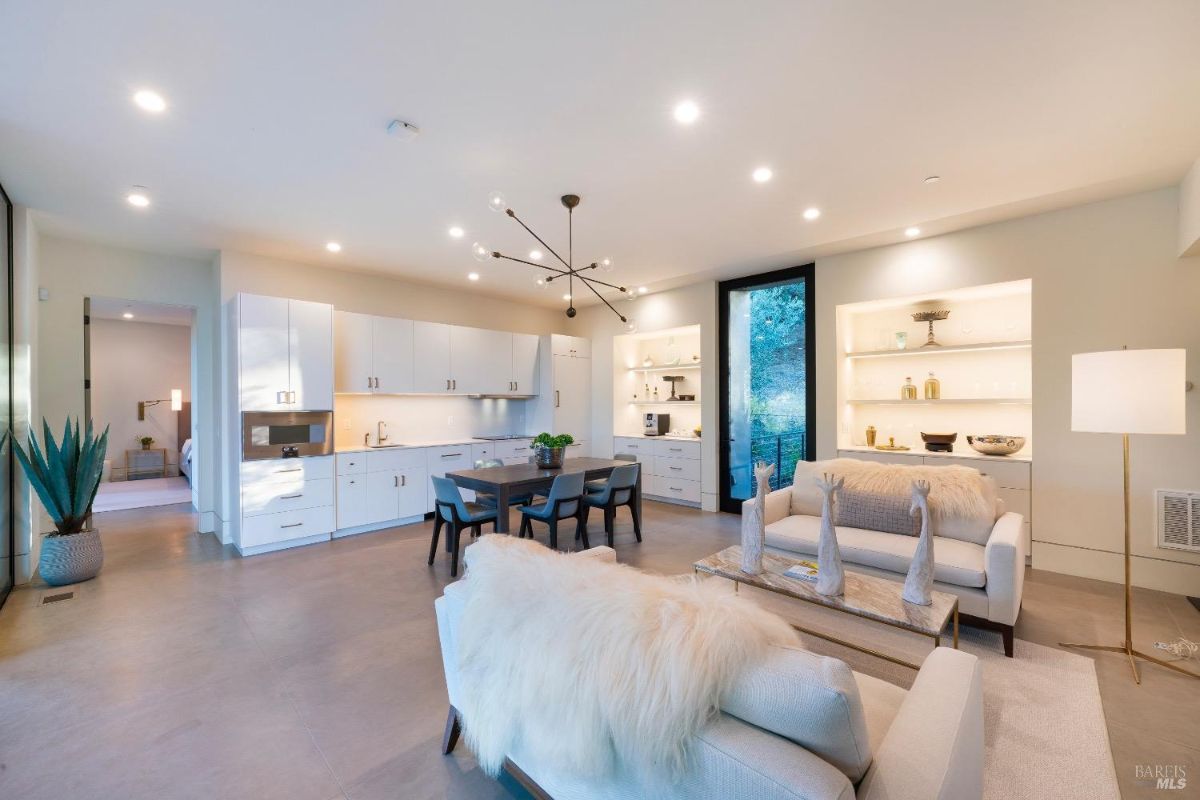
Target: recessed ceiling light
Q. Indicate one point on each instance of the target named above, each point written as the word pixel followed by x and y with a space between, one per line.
pixel 642 290
pixel 137 197
pixel 686 112
pixel 128 315
pixel 472 276
pixel 566 297
pixel 150 101
pixel 536 255
pixel 812 213
pixel 456 232
pixel 911 232
pixel 762 174
pixel 333 247
pixel 933 179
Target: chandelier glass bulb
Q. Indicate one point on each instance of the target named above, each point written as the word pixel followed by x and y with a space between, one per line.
pixel 481 252
pixel 540 283
pixel 605 265
pixel 496 202
pixel 631 325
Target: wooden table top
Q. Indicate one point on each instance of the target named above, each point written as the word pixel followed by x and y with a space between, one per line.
pixel 866 595
pixel 528 474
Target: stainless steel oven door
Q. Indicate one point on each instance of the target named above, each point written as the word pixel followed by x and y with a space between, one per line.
pixel 286 434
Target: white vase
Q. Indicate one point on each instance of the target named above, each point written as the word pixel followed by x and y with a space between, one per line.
pixel 831 575
pixel 918 584
pixel 754 532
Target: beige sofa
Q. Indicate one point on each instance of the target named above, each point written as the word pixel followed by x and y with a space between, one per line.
pixel 980 560
pixel 797 727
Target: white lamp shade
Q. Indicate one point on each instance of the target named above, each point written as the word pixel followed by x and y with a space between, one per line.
pixel 1129 391
pixel 177 399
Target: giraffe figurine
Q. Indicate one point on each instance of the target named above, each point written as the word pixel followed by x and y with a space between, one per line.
pixel 918 585
pixel 831 576
pixel 754 532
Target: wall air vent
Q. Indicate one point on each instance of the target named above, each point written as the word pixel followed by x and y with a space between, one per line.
pixel 1178 520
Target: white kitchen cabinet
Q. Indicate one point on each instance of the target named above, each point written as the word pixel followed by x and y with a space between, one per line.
pixel 285 354
pixel 283 501
pixel 572 396
pixel 310 349
pixel 440 460
pixel 270 531
pixel 372 354
pixel 481 361
pixel 513 451
pixel 263 353
pixel 352 500
pixel 383 501
pixel 392 345
pixel 431 358
pixel 524 363
pixel 572 346
pixel 634 445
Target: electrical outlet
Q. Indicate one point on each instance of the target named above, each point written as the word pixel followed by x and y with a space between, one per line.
pixel 346 423
pixel 450 420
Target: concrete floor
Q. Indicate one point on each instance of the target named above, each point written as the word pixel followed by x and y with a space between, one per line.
pixel 184 671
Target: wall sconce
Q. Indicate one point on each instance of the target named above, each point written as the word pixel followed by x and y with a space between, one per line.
pixel 176 402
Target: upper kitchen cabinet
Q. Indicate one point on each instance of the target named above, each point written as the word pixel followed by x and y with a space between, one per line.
pixel 481 361
pixel 573 346
pixel 524 363
pixel 372 354
pixel 285 354
pixel 431 358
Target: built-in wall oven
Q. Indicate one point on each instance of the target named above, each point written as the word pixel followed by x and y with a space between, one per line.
pixel 286 434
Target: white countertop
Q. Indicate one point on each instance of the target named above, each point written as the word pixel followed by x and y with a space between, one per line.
pixel 418 445
pixel 961 451
pixel 673 437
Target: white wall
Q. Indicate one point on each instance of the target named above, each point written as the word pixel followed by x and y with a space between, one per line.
pixel 1104 275
pixel 1189 212
pixel 688 305
pixel 134 361
pixel 27 510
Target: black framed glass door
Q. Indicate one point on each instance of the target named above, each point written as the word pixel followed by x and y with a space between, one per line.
pixel 7 525
pixel 767 394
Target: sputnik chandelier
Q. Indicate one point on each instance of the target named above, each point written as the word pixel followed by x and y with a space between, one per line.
pixel 481 252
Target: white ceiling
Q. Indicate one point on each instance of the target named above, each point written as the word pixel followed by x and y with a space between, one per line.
pixel 274 139
pixel 159 313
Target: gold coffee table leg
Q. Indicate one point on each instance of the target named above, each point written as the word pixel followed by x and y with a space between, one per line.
pixel 956 626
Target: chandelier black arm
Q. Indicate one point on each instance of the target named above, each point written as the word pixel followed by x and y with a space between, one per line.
pixel 597 280
pixel 555 270
pixel 513 214
pixel 588 283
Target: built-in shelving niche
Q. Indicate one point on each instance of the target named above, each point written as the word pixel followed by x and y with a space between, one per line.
pixel 640 362
pixel 984 365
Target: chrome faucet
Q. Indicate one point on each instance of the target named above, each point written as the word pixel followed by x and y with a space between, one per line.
pixel 381 432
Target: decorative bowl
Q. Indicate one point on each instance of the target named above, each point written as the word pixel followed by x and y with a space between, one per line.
pixel 939 438
pixel 994 445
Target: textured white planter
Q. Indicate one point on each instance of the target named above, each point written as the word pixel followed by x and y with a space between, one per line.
pixel 70 559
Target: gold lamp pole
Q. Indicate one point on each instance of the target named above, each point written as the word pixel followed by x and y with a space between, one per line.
pixel 1129 391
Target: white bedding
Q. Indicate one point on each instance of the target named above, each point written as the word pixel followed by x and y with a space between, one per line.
pixel 185 459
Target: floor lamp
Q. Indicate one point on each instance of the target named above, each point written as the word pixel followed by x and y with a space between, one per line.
pixel 1129 391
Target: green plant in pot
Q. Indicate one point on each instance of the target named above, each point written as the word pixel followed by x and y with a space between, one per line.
pixel 146 441
pixel 66 477
pixel 548 449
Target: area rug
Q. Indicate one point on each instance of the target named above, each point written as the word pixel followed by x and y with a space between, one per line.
pixel 122 495
pixel 1044 729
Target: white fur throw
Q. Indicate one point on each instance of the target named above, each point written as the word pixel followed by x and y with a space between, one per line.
pixel 583 663
pixel 958 492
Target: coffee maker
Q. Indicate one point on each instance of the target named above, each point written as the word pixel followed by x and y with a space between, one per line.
pixel 656 424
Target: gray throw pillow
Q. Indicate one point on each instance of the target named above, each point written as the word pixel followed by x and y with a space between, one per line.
pixel 877 512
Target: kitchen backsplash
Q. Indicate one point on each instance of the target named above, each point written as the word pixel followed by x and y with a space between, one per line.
pixel 423 419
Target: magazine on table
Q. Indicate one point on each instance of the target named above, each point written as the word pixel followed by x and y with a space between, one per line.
pixel 803 571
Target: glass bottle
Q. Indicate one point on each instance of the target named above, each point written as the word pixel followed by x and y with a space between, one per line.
pixel 656 394
pixel 933 388
pixel 909 390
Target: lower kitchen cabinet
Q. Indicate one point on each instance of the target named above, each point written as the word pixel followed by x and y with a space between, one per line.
pixel 352 500
pixel 381 488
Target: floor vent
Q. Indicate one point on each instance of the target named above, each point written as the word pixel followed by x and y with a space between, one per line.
pixel 1178 520
pixel 47 599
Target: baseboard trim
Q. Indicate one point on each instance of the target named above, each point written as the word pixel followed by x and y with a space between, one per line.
pixel 290 543
pixel 1176 577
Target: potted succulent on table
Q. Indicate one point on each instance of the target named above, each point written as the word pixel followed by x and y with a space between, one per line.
pixel 66 478
pixel 548 450
pixel 146 441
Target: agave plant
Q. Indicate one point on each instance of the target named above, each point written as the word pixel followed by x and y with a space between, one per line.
pixel 65 477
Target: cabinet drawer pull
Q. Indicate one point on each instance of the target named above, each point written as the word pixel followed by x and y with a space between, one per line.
pixel 404 480
pixel 297 469
pixel 556 398
pixel 675 488
pixel 675 468
pixel 291 496
pixel 519 449
pixel 454 384
pixel 368 382
pixel 293 525
pixel 451 455
pixel 447 384
pixel 396 481
pixel 675 449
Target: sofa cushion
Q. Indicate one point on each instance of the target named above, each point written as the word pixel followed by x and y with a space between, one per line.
pixel 955 562
pixel 877 512
pixel 810 699
pixel 971 519
pixel 881 702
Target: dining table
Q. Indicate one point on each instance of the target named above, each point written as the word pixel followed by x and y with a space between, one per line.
pixel 514 480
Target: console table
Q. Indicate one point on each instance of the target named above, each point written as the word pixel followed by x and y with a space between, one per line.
pixel 150 463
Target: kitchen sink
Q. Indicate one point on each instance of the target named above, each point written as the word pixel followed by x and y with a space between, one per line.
pixel 384 446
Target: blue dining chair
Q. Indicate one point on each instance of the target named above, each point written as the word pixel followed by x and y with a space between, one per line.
pixel 451 510
pixel 619 490
pixel 488 499
pixel 599 484
pixel 565 501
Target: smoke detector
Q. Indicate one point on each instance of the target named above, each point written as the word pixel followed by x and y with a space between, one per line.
pixel 402 130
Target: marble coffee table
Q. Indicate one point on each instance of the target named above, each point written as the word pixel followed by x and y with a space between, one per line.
pixel 868 597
